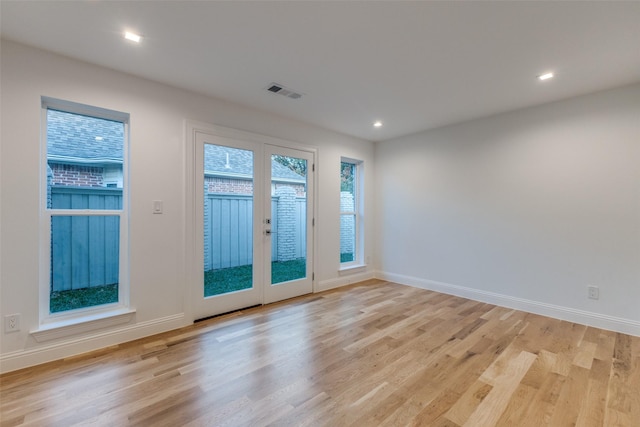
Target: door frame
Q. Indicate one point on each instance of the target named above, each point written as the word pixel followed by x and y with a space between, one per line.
pixel 192 192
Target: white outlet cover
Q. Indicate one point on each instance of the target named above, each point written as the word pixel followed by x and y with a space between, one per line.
pixel 12 323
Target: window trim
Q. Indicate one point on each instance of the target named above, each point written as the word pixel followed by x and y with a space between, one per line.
pixel 358 259
pixel 50 321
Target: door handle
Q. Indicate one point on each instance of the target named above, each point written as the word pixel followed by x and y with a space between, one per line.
pixel 268 232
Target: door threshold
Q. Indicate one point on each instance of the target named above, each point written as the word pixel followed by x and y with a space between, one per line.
pixel 226 312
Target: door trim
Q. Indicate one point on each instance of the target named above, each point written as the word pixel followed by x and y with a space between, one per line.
pixel 192 252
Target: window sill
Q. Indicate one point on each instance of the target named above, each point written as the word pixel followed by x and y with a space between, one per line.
pixel 355 268
pixel 82 324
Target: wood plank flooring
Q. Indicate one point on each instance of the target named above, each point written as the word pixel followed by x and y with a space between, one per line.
pixel 371 354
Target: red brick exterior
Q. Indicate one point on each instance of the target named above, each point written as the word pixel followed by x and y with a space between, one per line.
pixel 228 186
pixel 240 186
pixel 77 176
pixel 87 176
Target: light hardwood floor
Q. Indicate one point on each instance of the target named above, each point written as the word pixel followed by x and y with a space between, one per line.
pixel 374 353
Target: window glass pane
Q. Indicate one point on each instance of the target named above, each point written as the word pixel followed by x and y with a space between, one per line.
pixel 347 179
pixel 288 219
pixel 228 219
pixel 347 238
pixel 84 261
pixel 83 153
pixel 348 210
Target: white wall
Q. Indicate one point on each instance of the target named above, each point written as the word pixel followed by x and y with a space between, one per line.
pixel 157 173
pixel 523 209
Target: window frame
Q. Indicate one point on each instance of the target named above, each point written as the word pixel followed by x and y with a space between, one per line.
pixel 48 320
pixel 358 188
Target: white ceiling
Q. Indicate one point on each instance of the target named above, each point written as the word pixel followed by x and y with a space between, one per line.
pixel 413 65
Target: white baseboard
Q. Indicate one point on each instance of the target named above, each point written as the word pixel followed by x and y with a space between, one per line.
pixel 42 354
pixel 583 317
pixel 344 280
pixel 47 353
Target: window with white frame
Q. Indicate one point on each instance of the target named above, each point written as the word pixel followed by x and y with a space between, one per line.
pixel 350 212
pixel 84 209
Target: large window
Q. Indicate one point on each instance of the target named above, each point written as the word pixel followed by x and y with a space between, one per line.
pixel 350 213
pixel 84 208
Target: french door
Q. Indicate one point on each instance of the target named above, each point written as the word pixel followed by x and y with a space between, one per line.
pixel 288 226
pixel 253 221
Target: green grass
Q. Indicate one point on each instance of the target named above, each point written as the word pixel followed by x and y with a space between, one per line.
pixel 346 257
pixel 81 298
pixel 233 279
pixel 225 280
pixel 216 282
pixel 283 271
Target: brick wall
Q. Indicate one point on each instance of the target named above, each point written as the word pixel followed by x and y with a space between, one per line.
pixel 227 186
pixel 286 233
pixel 76 176
pixel 299 188
pixel 215 185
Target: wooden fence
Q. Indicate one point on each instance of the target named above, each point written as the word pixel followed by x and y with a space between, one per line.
pixel 228 232
pixel 84 249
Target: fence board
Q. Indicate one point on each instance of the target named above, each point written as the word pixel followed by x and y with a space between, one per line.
pixel 61 253
pixel 112 247
pixel 224 233
pixel 80 263
pixel 97 270
pixel 245 234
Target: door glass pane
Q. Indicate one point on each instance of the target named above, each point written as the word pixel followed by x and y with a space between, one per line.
pixel 228 219
pixel 288 218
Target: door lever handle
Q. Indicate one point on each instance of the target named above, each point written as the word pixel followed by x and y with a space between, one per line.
pixel 268 232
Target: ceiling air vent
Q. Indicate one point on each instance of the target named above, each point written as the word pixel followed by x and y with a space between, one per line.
pixel 281 90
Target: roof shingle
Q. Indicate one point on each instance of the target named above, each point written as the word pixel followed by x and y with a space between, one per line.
pixel 73 136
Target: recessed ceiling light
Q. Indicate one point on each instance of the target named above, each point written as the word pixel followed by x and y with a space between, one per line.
pixel 99 138
pixel 545 76
pixel 377 124
pixel 132 36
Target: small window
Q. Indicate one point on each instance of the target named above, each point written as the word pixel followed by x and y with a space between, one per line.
pixel 350 213
pixel 85 209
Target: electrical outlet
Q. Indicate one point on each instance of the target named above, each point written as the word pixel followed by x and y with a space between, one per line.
pixel 593 292
pixel 12 323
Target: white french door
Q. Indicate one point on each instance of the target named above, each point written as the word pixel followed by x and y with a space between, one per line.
pixel 289 223
pixel 252 213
